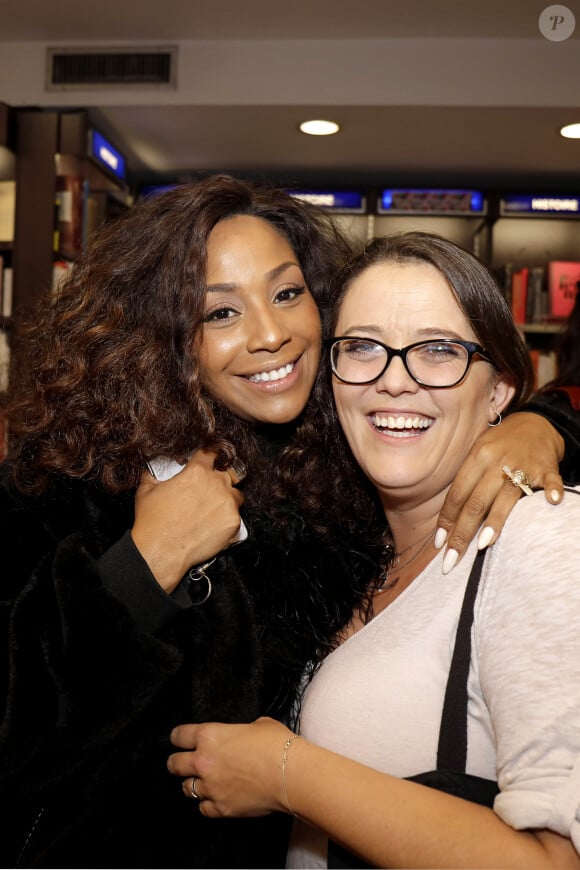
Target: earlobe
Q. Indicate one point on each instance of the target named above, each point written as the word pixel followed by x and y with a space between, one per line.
pixel 503 393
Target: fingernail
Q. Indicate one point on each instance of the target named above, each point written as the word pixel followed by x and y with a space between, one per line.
pixel 555 495
pixel 440 538
pixel 450 560
pixel 485 537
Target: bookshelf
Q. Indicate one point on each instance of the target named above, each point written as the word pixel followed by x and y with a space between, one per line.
pixel 57 185
pixel 537 237
pixel 60 194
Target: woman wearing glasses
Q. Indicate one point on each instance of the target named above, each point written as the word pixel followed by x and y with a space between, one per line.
pixel 442 731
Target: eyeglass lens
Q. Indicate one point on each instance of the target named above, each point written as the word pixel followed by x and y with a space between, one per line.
pixel 434 364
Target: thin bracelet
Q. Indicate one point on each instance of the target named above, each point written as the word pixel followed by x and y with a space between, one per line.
pixel 285 752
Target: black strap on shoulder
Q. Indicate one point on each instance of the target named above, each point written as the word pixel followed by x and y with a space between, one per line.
pixel 452 750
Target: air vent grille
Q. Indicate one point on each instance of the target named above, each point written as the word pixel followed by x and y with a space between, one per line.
pixel 79 68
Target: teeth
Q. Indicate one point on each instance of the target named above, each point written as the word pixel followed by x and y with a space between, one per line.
pixel 274 375
pixel 400 422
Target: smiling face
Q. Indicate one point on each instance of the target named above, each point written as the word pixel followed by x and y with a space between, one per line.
pixel 410 440
pixel 260 345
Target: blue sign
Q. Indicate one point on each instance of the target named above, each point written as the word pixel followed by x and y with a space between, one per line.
pixel 154 189
pixel 429 201
pixel 107 155
pixel 519 203
pixel 345 201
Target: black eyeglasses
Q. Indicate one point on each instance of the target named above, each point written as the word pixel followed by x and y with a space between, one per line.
pixel 438 363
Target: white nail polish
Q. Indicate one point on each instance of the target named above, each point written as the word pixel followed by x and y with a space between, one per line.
pixel 450 560
pixel 555 495
pixel 485 537
pixel 440 538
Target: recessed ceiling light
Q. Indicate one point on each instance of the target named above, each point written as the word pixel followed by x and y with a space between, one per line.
pixel 319 128
pixel 571 131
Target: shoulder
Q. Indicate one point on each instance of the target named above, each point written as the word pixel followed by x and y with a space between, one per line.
pixel 534 514
pixel 539 531
pixel 534 553
pixel 67 508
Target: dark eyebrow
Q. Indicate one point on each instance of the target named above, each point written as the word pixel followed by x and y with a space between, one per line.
pixel 270 276
pixel 430 332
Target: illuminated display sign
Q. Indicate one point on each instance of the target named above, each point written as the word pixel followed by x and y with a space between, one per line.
pixel 518 203
pixel 154 189
pixel 107 155
pixel 432 201
pixel 345 201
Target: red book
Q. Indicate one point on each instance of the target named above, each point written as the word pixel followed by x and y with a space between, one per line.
pixel 563 278
pixel 519 294
pixel 70 202
pixel 535 358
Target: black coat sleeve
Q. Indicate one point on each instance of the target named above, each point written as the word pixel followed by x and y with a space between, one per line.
pixel 82 669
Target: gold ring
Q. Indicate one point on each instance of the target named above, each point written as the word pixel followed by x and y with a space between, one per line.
pixel 194 794
pixel 519 478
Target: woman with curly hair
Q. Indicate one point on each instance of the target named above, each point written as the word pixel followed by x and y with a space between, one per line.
pixel 189 330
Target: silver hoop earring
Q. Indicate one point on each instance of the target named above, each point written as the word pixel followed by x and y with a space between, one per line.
pixel 496 422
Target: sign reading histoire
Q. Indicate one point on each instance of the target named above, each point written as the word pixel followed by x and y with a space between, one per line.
pixel 518 203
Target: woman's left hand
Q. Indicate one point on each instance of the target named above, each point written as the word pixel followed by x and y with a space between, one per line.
pixel 482 495
pixel 236 769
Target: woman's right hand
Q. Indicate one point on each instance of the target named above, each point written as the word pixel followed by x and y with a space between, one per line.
pixel 186 520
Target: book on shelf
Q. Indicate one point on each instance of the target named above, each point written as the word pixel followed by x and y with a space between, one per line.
pixel 537 302
pixel 519 294
pixel 544 364
pixel 503 276
pixel 69 215
pixel 563 281
pixel 7 210
pixel 5 289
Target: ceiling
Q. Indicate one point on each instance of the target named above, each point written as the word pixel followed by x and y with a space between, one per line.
pixel 457 91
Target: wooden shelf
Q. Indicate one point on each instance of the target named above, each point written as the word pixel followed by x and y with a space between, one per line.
pixel 542 327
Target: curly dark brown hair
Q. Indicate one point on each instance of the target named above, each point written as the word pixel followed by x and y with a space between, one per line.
pixel 107 374
pixel 318 469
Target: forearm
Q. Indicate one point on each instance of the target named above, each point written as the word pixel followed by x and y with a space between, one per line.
pixel 395 823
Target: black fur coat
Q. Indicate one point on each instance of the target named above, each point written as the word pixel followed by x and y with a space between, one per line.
pixel 90 695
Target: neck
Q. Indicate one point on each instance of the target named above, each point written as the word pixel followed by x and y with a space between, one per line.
pixel 412 530
pixel 409 525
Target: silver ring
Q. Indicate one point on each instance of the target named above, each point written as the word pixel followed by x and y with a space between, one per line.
pixel 519 478
pixel 194 794
pixel 236 470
